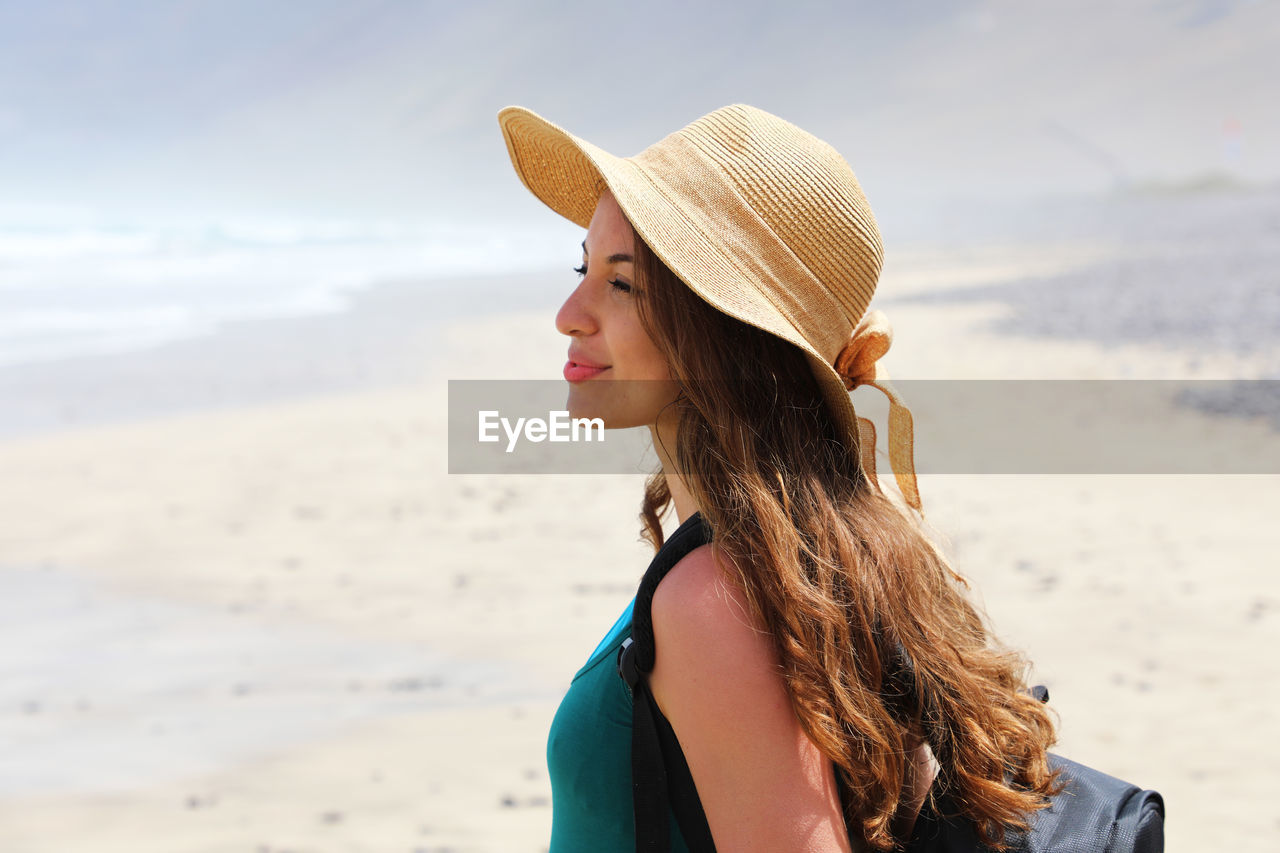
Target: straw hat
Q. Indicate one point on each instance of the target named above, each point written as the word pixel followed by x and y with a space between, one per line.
pixel 764 221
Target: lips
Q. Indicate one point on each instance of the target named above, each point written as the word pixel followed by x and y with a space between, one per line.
pixel 579 371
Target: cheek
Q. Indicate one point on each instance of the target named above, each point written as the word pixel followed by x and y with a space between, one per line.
pixel 646 359
pixel 656 366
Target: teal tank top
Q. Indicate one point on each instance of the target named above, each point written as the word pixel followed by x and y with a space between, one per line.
pixel 589 758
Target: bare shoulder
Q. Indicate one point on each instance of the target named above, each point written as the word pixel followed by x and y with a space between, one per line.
pixel 717 678
pixel 712 658
pixel 699 606
pixel 714 664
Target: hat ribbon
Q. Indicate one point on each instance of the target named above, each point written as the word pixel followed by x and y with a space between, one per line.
pixel 858 364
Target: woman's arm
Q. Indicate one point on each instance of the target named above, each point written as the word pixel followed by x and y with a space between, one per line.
pixel 763 784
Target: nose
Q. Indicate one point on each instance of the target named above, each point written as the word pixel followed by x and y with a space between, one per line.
pixel 575 316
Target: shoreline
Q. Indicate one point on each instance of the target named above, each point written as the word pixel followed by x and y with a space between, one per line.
pixel 388 336
pixel 1031 284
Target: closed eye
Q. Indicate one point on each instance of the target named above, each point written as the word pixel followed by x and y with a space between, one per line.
pixel 618 285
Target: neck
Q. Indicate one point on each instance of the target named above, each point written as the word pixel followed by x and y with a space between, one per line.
pixel 664 444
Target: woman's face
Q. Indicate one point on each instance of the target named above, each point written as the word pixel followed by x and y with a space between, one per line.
pixel 614 370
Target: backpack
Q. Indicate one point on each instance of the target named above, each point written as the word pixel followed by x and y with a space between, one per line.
pixel 1094 812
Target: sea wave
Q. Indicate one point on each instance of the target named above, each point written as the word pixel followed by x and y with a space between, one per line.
pixel 83 290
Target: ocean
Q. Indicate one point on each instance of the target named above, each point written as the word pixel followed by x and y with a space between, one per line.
pixel 106 323
pixel 109 324
pixel 85 290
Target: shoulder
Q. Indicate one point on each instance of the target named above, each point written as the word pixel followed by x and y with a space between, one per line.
pixel 718 680
pixel 700 604
pixel 711 654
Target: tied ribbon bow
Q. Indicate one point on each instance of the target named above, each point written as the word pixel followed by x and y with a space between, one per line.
pixel 858 364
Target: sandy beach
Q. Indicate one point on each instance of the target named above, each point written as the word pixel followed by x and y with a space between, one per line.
pixel 281 625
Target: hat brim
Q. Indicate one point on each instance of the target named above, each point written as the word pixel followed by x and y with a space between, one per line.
pixel 568 174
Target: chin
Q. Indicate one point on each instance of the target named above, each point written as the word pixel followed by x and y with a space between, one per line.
pixel 590 403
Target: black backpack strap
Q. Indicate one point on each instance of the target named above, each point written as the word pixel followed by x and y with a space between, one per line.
pixel 660 777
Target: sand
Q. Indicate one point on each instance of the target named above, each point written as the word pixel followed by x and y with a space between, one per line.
pixel 286 627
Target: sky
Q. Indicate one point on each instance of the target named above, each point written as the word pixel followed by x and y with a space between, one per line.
pixel 379 112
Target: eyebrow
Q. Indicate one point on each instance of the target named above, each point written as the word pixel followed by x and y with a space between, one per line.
pixel 616 258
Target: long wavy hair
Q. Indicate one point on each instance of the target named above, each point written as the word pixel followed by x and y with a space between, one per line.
pixel 880 647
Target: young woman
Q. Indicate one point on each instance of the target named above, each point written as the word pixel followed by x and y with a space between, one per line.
pixel 817 658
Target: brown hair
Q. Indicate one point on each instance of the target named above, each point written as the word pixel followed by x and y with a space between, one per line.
pixel 879 645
